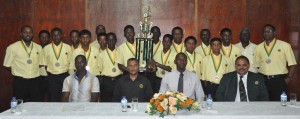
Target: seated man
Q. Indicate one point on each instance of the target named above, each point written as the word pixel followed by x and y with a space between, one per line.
pixel 81 86
pixel 182 80
pixel 133 84
pixel 242 85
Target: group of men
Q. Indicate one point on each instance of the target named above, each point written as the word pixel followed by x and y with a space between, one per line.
pixel 98 70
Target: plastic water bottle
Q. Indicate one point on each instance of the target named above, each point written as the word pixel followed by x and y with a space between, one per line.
pixel 13 105
pixel 209 102
pixel 124 104
pixel 283 99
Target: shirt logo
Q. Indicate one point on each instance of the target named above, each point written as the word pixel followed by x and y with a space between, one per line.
pixel 95 57
pixel 235 55
pixel 279 50
pixel 256 82
pixel 37 53
pixel 141 86
pixel 66 53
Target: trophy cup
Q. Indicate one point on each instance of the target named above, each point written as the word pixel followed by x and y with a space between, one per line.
pixel 144 46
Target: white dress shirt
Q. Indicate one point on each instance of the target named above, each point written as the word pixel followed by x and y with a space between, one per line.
pixel 249 53
pixel 191 84
pixel 244 79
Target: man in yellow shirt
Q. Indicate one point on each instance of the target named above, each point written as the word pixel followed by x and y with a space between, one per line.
pixel 164 61
pixel 101 37
pixel 228 49
pixel 157 45
pixel 127 49
pixel 91 53
pixel 110 71
pixel 74 36
pixel 214 66
pixel 272 58
pixel 178 45
pixel 99 29
pixel 204 48
pixel 44 37
pixel 23 59
pixel 57 56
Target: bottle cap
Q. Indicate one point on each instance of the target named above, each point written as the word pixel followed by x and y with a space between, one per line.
pixel 123 96
pixel 14 97
pixel 209 95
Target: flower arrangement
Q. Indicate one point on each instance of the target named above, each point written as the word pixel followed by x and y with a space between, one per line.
pixel 169 103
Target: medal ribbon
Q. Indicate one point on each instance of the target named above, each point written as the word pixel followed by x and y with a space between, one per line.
pixel 57 52
pixel 165 57
pixel 190 58
pixel 24 46
pixel 132 50
pixel 216 66
pixel 270 48
pixel 226 53
pixel 88 53
pixel 112 55
pixel 156 48
pixel 205 53
pixel 177 49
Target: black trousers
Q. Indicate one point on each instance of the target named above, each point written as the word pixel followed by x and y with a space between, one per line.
pixel 211 88
pixel 157 82
pixel 55 85
pixel 275 85
pixel 43 87
pixel 151 76
pixel 203 86
pixel 27 89
pixel 107 86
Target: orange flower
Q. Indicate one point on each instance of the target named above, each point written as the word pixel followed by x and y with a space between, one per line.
pixel 157 102
pixel 182 104
pixel 189 101
pixel 161 97
pixel 152 100
pixel 160 108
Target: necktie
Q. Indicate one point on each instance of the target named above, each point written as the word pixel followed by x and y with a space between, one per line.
pixel 243 95
pixel 180 83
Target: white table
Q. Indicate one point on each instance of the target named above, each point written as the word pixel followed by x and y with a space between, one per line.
pixel 221 110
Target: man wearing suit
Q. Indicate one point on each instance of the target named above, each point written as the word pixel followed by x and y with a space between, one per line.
pixel 242 85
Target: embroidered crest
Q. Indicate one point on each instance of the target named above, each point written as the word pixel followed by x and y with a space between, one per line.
pixel 279 50
pixel 95 57
pixel 235 55
pixel 225 65
pixel 256 82
pixel 66 53
pixel 37 53
pixel 141 86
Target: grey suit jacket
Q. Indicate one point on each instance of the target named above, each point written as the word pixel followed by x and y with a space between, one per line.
pixel 256 89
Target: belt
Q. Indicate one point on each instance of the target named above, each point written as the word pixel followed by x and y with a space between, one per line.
pixel 273 76
pixel 111 78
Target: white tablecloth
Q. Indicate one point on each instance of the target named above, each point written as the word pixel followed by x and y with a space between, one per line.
pixel 221 110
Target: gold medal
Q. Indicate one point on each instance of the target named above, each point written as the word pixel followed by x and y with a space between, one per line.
pixel 163 72
pixel 87 67
pixel 29 61
pixel 57 64
pixel 114 69
pixel 216 77
pixel 268 61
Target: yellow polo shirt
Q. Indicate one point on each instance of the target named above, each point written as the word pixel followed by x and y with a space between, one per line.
pixel 125 51
pixel 249 53
pixel 156 48
pixel 203 50
pixel 281 56
pixel 72 47
pixel 178 48
pixel 108 65
pixel 95 44
pixel 214 73
pixel 17 58
pixel 57 58
pixel 92 56
pixel 166 59
pixel 232 52
pixel 194 63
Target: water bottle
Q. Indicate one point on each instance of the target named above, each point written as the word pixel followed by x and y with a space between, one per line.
pixel 283 99
pixel 13 105
pixel 124 104
pixel 209 102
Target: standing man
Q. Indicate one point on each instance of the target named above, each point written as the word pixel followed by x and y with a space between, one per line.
pixel 178 45
pixel 216 64
pixel 23 58
pixel 242 85
pixel 272 58
pixel 204 48
pixel 182 80
pixel 110 71
pixel 44 37
pixel 81 86
pixel 247 48
pixel 99 29
pixel 74 35
pixel 133 84
pixel 127 49
pixel 164 61
pixel 228 49
pixel 57 57
pixel 91 54
pixel 155 31
pixel 101 37
pixel 194 59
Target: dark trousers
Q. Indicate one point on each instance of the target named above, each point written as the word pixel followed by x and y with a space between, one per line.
pixel 55 85
pixel 107 86
pixel 275 85
pixel 43 87
pixel 151 76
pixel 157 82
pixel 211 88
pixel 203 86
pixel 27 89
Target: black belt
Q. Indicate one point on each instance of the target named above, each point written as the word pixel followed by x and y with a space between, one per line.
pixel 111 78
pixel 273 76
